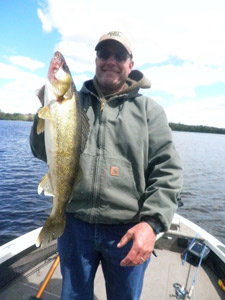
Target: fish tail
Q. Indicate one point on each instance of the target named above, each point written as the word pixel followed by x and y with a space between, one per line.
pixel 52 229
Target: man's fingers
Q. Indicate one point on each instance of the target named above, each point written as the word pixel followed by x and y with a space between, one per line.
pixel 134 258
pixel 143 238
pixel 125 239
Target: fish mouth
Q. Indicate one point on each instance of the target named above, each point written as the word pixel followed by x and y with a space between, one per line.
pixel 59 75
pixel 57 63
pixel 58 60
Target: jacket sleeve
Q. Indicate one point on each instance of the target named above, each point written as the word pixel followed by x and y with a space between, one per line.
pixel 37 144
pixel 164 173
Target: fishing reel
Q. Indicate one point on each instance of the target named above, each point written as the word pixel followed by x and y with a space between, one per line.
pixel 180 291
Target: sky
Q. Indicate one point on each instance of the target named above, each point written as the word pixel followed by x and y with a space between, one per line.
pixel 178 44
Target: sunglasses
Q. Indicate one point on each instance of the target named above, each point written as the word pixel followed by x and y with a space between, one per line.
pixel 105 54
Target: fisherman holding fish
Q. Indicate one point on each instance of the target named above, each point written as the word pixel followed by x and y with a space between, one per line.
pixel 113 171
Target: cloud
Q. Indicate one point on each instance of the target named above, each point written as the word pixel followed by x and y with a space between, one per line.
pixel 208 112
pixel 178 45
pixel 181 81
pixel 79 79
pixel 17 93
pixel 45 19
pixel 191 30
pixel 26 62
pixel 79 57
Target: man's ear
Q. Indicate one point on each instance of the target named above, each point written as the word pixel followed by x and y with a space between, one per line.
pixel 131 64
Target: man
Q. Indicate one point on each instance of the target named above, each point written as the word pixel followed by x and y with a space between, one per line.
pixel 131 180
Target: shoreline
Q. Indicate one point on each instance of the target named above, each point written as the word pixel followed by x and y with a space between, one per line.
pixel 173 126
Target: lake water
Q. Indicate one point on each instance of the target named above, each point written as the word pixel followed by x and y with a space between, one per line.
pixel 22 209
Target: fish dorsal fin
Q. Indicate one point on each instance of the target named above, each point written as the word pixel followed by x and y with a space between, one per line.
pixel 45 113
pixel 40 94
pixel 85 129
pixel 45 186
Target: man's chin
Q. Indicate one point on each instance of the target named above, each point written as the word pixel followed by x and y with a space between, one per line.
pixel 111 81
pixel 110 87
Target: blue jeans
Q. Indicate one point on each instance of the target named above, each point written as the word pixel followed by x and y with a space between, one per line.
pixel 82 247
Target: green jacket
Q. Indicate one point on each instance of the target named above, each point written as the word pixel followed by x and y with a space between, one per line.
pixel 131 170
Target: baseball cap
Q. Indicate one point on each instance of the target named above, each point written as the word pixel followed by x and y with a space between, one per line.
pixel 116 36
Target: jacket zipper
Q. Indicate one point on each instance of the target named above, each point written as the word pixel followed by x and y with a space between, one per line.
pixel 102 104
pixel 98 162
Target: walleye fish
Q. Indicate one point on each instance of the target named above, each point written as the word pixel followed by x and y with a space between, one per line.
pixel 65 126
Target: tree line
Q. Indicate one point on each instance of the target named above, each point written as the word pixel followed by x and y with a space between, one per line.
pixel 16 116
pixel 173 126
pixel 196 128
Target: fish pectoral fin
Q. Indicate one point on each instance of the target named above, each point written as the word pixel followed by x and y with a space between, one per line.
pixel 40 126
pixel 45 186
pixel 45 113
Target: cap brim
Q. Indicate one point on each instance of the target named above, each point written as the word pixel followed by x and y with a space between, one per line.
pixel 100 44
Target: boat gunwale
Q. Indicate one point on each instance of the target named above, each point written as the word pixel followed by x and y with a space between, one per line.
pixel 213 243
pixel 20 244
pixel 14 263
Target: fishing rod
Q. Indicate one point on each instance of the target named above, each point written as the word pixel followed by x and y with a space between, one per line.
pixel 196 249
pixel 46 280
pixel 188 296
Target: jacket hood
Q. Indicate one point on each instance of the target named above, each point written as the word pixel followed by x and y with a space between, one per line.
pixel 137 79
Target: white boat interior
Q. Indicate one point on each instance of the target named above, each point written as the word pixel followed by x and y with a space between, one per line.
pixel 174 274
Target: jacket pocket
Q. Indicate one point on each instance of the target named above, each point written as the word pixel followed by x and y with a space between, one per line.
pixel 117 188
pixel 84 189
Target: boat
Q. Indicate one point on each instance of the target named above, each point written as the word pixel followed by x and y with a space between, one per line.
pixel 189 264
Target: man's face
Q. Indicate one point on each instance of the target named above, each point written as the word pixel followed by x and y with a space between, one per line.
pixel 113 65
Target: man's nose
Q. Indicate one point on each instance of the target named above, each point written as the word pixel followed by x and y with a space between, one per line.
pixel 111 59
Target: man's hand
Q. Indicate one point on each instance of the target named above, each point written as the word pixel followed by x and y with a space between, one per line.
pixel 143 238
